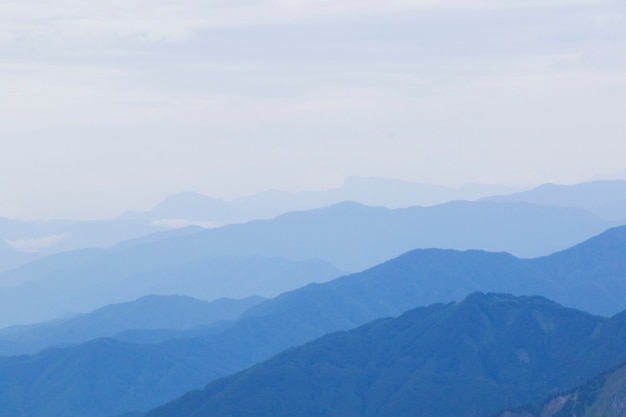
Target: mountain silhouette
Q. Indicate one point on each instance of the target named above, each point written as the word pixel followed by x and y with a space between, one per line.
pixel 135 376
pixel 461 359
pixel 148 312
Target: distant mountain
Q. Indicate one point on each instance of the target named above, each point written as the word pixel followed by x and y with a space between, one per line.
pixel 195 208
pixel 349 236
pixel 54 236
pixel 354 237
pixel 11 258
pixel 462 359
pixel 188 207
pixel 603 198
pixel 149 312
pixel 135 376
pixel 602 396
pixel 76 282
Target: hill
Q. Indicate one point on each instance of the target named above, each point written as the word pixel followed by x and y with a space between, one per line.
pixel 354 237
pixel 63 285
pixel 605 199
pixel 149 312
pixel 196 208
pixel 137 377
pixel 347 236
pixel 457 360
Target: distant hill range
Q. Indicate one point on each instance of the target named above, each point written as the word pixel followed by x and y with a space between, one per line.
pixel 461 359
pixel 318 244
pixel 78 282
pixel 152 312
pixel 190 207
pixel 187 208
pixel 29 239
pixel 605 199
pixel 107 377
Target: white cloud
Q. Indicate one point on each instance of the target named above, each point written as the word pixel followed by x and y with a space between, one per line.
pixel 237 96
pixel 158 20
pixel 37 244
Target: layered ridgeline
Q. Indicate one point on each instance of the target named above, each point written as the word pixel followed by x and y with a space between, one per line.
pixel 26 240
pixel 461 359
pixel 60 287
pixel 12 258
pixel 346 237
pixel 606 199
pixel 108 377
pixel 147 313
pixel 30 238
pixel 602 396
pixel 198 208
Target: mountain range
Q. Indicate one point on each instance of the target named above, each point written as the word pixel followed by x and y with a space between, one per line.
pixel 605 199
pixel 186 208
pixel 78 282
pixel 107 377
pixel 152 312
pixel 191 207
pixel 602 396
pixel 462 359
pixel 601 198
pixel 322 242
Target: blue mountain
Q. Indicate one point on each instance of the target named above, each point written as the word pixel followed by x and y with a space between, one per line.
pixel 464 359
pixel 107 377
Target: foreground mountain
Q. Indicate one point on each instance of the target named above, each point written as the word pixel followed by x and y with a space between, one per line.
pixel 602 396
pixel 606 199
pixel 149 312
pixel 60 288
pixel 456 360
pixel 129 376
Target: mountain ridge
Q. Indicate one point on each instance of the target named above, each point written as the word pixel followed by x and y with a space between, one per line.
pixel 459 359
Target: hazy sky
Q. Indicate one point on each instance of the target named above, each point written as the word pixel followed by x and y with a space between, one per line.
pixel 111 105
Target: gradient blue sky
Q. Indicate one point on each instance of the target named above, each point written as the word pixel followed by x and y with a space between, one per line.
pixel 111 105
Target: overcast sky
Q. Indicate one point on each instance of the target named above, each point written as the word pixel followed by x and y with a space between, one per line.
pixel 111 105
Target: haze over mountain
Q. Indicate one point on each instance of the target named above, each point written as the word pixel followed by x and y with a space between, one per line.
pixel 76 282
pixel 353 237
pixel 130 376
pixel 55 236
pixel 603 198
pixel 149 312
pixel 27 240
pixel 463 359
pixel 189 207
pixel 349 236
pixel 11 258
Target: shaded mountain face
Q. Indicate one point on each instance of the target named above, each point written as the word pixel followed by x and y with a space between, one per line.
pixel 606 199
pixel 149 312
pixel 417 278
pixel 602 396
pixel 461 359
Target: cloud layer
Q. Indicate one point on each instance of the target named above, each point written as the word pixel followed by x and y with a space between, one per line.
pixel 130 100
